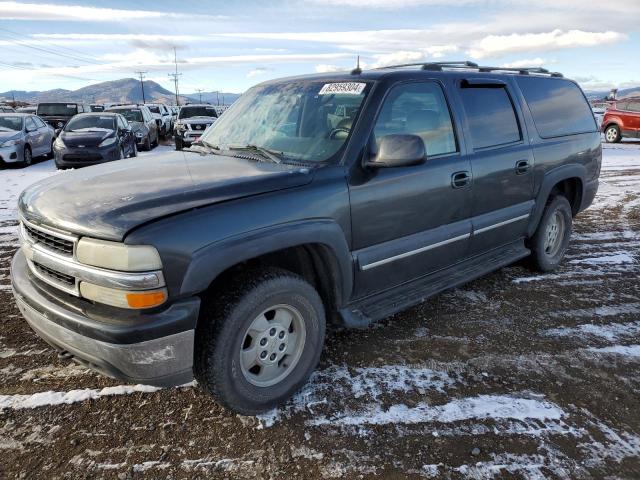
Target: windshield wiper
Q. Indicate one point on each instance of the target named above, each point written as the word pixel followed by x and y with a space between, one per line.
pixel 272 155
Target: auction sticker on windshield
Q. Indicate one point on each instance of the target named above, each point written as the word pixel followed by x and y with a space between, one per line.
pixel 348 88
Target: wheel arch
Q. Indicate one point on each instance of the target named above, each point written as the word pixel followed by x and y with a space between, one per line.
pixel 567 180
pixel 316 250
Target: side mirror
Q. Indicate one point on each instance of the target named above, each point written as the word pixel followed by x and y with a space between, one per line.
pixel 399 151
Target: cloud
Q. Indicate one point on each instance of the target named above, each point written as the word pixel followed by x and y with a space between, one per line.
pixel 76 13
pixel 533 62
pixel 396 58
pixel 256 72
pixel 496 45
pixel 327 68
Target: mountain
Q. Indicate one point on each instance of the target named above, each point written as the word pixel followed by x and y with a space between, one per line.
pixel 622 93
pixel 213 97
pixel 116 91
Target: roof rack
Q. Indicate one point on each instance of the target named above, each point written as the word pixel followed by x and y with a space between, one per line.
pixel 465 64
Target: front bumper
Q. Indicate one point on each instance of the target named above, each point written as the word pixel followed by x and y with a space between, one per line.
pixel 82 157
pixel 12 154
pixel 153 348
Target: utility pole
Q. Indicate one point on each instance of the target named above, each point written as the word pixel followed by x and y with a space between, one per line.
pixel 217 98
pixel 176 75
pixel 199 90
pixel 142 85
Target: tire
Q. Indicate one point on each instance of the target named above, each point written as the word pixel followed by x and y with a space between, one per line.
pixel 134 153
pixel 27 157
pixel 121 155
pixel 147 144
pixel 178 144
pixel 612 134
pixel 266 297
pixel 548 248
pixel 155 142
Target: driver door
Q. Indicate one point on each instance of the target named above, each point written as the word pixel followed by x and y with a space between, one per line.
pixel 411 221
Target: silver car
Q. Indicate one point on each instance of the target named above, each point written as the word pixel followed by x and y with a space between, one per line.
pixel 23 137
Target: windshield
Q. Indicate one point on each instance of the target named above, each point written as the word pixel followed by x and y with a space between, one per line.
pixel 61 109
pixel 189 112
pixel 91 122
pixel 132 115
pixel 154 109
pixel 306 121
pixel 10 124
pixel 97 108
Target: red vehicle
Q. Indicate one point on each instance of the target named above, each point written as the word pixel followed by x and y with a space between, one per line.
pixel 622 120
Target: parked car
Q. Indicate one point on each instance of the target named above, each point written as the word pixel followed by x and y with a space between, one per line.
pixel 622 120
pixel 6 109
pixel 342 197
pixel 57 114
pixel 192 121
pixel 23 137
pixel 31 110
pixel 162 117
pixel 92 138
pixel 142 124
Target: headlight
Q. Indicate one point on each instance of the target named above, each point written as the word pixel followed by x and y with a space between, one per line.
pixel 122 298
pixel 107 142
pixel 59 143
pixel 181 127
pixel 9 143
pixel 139 135
pixel 118 256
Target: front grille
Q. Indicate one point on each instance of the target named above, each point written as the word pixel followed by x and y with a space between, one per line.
pixel 52 242
pixel 82 157
pixel 199 127
pixel 55 276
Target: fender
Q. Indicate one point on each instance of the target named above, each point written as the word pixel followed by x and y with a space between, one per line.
pixel 210 261
pixel 549 180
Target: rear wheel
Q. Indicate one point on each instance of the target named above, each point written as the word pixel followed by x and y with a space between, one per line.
pixel 178 142
pixel 50 155
pixel 134 150
pixel 612 134
pixel 258 343
pixel 550 242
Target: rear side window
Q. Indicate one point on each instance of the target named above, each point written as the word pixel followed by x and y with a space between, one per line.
pixel 634 106
pixel 558 106
pixel 491 117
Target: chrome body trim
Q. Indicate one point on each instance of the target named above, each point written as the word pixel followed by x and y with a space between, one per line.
pixel 413 252
pixel 500 224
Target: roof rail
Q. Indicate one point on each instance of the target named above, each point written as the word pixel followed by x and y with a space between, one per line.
pixel 465 64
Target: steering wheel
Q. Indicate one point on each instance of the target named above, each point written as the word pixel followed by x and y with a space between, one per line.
pixel 335 131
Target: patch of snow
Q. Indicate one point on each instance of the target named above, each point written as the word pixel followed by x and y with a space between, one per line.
pixel 611 332
pixel 42 399
pixel 616 259
pixel 624 350
pixel 494 407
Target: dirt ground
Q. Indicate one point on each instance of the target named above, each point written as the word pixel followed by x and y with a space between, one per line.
pixel 515 375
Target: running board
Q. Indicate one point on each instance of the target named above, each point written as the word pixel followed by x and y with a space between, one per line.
pixel 364 312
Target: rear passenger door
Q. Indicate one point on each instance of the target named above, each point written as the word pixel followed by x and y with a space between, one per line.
pixel 501 161
pixel 410 221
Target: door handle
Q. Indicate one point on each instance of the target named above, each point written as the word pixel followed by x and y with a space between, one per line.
pixel 460 179
pixel 522 167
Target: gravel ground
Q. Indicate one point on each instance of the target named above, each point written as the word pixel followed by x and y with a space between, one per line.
pixel 515 375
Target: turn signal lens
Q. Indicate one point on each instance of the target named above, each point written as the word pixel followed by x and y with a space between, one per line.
pixel 123 298
pixel 146 299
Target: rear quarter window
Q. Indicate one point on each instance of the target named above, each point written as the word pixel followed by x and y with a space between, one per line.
pixel 558 106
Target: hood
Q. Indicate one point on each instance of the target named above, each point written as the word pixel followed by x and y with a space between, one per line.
pixel 106 201
pixel 137 126
pixel 12 135
pixel 85 138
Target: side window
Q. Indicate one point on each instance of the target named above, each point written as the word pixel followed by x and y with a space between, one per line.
pixel 418 109
pixel 39 122
pixel 121 123
pixel 490 114
pixel 558 106
pixel 31 125
pixel 634 106
pixel 622 106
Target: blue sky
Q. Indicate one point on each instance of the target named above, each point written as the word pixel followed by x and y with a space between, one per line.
pixel 231 45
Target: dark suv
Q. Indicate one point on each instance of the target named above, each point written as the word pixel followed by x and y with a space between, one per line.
pixel 337 197
pixel 57 114
pixel 622 120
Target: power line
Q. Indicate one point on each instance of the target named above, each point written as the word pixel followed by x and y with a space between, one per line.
pixel 176 76
pixel 200 90
pixel 142 85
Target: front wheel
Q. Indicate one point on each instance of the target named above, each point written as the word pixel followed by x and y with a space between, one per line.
pixel 178 142
pixel 258 343
pixel 612 134
pixel 27 157
pixel 550 242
